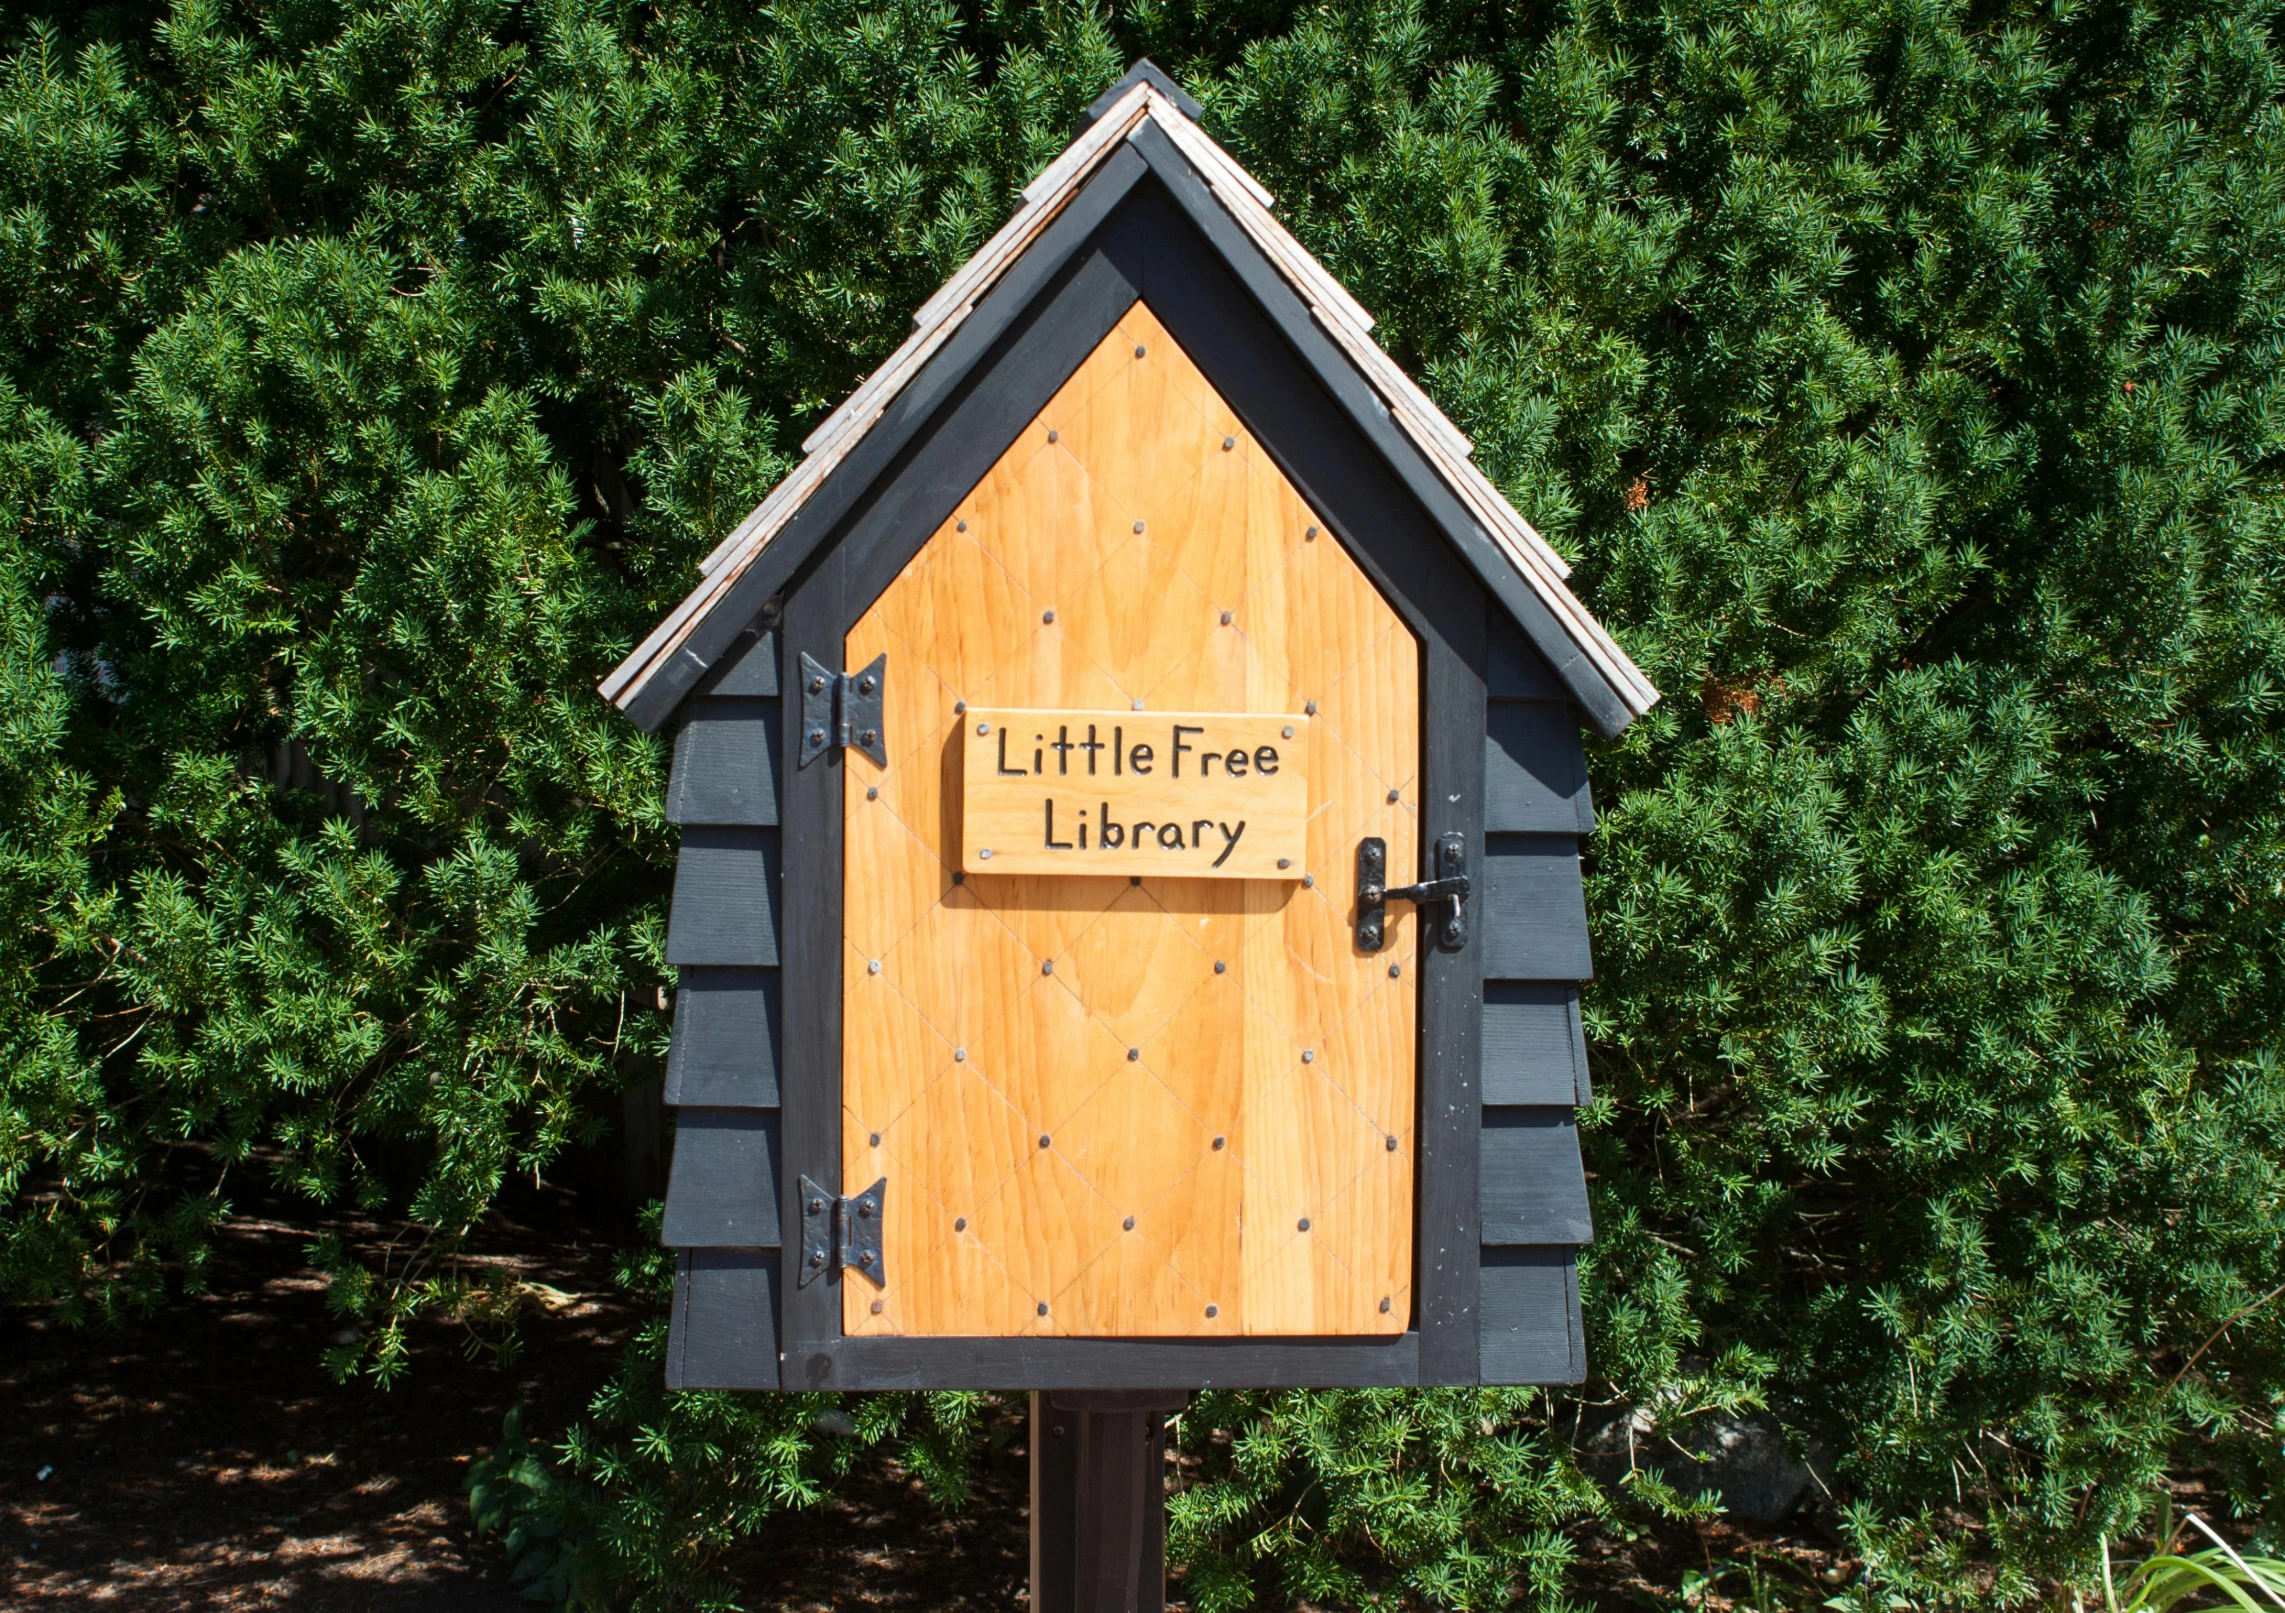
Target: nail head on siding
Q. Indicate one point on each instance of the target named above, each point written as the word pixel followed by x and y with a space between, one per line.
pixel 1309 536
pixel 1213 1310
pixel 1229 443
pixel 872 966
pixel 1047 616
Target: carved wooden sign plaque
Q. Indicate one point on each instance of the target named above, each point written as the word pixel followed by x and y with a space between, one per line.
pixel 1194 794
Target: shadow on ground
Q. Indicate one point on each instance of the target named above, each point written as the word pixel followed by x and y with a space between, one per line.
pixel 204 1458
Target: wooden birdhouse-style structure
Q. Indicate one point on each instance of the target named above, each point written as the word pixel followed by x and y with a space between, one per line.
pixel 1128 913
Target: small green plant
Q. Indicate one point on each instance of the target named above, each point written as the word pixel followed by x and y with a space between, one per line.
pixel 1766 1589
pixel 545 1519
pixel 1770 1585
pixel 2171 1576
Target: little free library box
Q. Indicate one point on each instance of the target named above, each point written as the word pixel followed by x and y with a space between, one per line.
pixel 1128 915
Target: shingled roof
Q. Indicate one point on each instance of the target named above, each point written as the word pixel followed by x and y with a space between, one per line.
pixel 1151 114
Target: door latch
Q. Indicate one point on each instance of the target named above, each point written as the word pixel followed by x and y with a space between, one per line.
pixel 842 710
pixel 840 1234
pixel 1373 894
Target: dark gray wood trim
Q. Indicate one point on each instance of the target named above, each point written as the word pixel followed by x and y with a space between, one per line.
pixel 1531 1321
pixel 1534 913
pixel 724 1053
pixel 725 762
pixel 1144 71
pixel 973 1363
pixel 1516 670
pixel 816 622
pixel 1535 769
pixel 748 668
pixel 678 1324
pixel 1338 376
pixel 725 904
pixel 1451 1027
pixel 724 1332
pixel 722 1190
pixel 1535 1043
pixel 1575 1321
pixel 1533 1188
pixel 905 416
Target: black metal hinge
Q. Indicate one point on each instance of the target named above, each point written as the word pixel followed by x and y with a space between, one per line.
pixel 840 710
pixel 840 1234
pixel 1373 894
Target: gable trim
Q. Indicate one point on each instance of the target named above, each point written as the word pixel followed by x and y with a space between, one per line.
pixel 1521 570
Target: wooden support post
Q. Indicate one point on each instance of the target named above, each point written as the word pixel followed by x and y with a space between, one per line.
pixel 1098 1499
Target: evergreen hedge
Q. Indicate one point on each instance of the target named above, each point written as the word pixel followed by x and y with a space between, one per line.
pixel 1903 377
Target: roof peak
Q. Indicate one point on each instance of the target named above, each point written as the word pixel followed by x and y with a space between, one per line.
pixel 1144 71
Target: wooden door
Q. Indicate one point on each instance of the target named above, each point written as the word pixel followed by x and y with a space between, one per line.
pixel 1141 1106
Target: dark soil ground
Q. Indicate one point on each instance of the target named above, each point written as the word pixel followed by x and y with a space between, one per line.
pixel 204 1459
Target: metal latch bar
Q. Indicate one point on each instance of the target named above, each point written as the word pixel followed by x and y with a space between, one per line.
pixel 1374 894
pixel 839 1234
pixel 842 710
